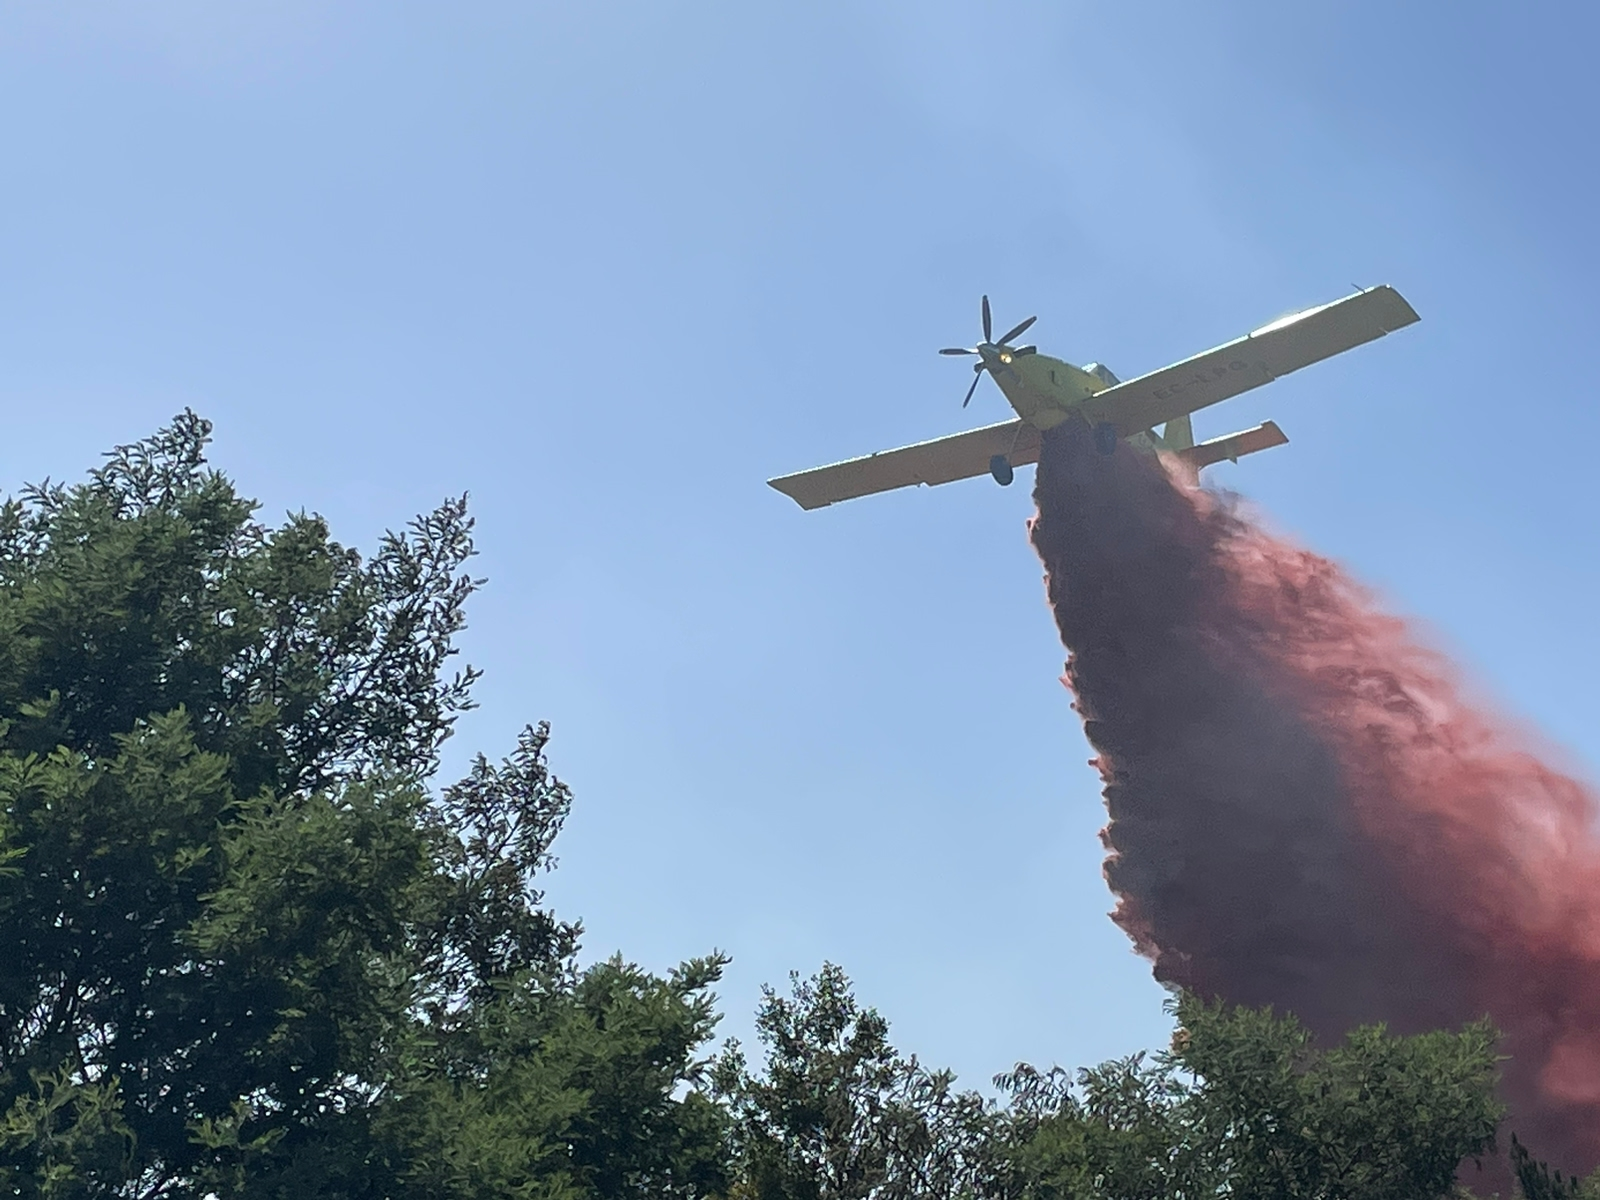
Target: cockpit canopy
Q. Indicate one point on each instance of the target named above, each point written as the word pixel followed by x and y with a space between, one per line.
pixel 1103 373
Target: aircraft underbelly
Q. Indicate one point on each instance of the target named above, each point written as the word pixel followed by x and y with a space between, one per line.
pixel 1041 412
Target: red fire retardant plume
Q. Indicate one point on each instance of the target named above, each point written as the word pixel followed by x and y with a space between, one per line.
pixel 1304 811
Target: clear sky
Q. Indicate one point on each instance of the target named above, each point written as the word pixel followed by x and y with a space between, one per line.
pixel 610 266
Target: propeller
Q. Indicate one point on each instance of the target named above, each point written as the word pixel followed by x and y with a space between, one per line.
pixel 977 374
pixel 990 348
pixel 1022 328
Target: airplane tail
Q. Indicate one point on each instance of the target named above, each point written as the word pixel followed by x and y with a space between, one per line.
pixel 1178 434
pixel 1233 447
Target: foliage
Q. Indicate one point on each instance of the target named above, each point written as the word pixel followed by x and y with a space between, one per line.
pixel 580 1085
pixel 1243 1105
pixel 839 1115
pixel 254 952
pixel 151 588
pixel 1537 1181
pixel 249 951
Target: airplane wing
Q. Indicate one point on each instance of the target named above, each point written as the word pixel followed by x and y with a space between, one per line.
pixel 1275 349
pixel 959 456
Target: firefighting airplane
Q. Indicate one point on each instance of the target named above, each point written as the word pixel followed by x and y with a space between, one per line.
pixel 1045 392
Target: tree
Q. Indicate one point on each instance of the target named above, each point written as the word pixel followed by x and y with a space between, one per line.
pixel 1243 1105
pixel 253 950
pixel 250 949
pixel 838 1114
pixel 1537 1181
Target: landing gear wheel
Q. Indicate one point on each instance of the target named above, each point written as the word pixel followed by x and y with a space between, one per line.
pixel 1000 468
pixel 1105 438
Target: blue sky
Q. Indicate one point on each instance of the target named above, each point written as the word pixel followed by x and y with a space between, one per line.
pixel 610 266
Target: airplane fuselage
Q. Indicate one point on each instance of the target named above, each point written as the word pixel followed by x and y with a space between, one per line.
pixel 1046 392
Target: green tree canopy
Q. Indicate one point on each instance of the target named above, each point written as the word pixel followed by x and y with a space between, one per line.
pixel 1243 1105
pixel 252 949
pixel 247 950
pixel 838 1114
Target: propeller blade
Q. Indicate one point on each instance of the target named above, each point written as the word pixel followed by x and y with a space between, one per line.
pixel 977 374
pixel 1019 329
pixel 986 329
pixel 1021 350
pixel 954 350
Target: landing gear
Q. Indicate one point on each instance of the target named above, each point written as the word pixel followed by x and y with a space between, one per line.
pixel 1000 468
pixel 1105 438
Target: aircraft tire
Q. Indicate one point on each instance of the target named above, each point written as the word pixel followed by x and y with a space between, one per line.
pixel 1000 468
pixel 1105 438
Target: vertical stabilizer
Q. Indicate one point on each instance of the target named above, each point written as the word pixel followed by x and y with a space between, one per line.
pixel 1178 434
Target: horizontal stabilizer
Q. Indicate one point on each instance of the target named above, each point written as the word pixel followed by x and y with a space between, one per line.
pixel 1235 446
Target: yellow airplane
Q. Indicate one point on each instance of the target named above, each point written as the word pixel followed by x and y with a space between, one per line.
pixel 1046 391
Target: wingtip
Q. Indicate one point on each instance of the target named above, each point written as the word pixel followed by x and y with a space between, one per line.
pixel 1403 313
pixel 777 485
